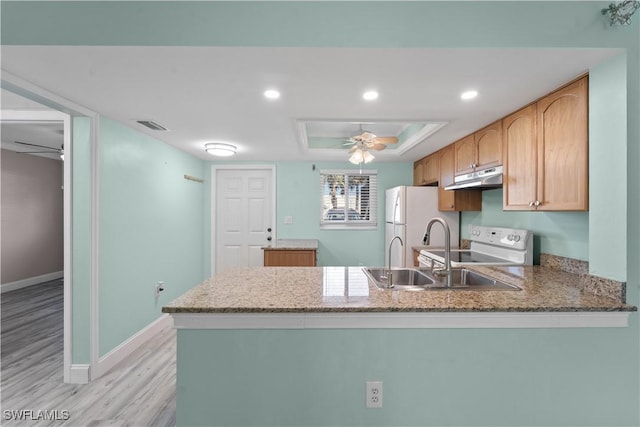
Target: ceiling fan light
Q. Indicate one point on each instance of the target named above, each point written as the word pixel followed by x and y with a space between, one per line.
pixel 220 149
pixel 367 156
pixel 357 157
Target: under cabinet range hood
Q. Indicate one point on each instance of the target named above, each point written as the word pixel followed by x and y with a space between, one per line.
pixel 482 179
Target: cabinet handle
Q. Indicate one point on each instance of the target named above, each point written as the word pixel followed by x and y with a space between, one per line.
pixel 537 203
pixel 531 204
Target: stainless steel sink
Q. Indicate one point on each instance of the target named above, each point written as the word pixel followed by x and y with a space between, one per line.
pixel 471 280
pixel 411 279
pixel 406 279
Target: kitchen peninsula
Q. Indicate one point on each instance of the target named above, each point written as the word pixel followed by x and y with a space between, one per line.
pixel 260 346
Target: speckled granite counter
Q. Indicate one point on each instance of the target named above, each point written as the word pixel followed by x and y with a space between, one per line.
pixel 292 244
pixel 346 289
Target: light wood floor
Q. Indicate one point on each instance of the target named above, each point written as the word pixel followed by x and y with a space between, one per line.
pixel 140 391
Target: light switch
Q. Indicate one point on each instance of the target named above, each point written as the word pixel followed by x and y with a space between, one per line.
pixel 288 220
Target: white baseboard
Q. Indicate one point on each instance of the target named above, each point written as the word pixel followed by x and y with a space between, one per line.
pixel 78 374
pixel 19 284
pixel 109 360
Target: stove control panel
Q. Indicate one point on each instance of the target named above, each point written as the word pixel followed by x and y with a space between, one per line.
pixel 505 237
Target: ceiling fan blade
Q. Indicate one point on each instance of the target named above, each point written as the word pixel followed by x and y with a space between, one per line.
pixel 38 152
pixel 367 136
pixel 35 145
pixel 386 140
pixel 377 147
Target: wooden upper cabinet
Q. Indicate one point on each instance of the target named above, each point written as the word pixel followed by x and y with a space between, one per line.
pixel 426 170
pixel 418 172
pixel 489 145
pixel 458 200
pixel 562 134
pixel 519 185
pixel 465 155
pixel 545 149
pixel 480 150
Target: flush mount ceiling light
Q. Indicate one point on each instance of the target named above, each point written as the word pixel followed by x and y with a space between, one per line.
pixel 271 94
pixel 621 12
pixel 370 95
pixel 470 94
pixel 220 149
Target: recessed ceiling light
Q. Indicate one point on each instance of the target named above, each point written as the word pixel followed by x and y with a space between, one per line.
pixel 370 95
pixel 470 94
pixel 271 94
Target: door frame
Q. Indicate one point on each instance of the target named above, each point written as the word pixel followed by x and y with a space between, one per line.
pixel 214 170
pixel 63 109
pixel 42 116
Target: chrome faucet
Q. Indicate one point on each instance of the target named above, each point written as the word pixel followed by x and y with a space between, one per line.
pixel 389 275
pixel 447 249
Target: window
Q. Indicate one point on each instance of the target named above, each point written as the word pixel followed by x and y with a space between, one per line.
pixel 348 199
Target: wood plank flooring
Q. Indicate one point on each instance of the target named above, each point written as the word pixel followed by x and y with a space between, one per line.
pixel 140 391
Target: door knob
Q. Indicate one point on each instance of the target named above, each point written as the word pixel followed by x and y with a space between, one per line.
pixel 269 238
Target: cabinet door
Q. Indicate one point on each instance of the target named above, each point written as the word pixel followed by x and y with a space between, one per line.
pixel 465 155
pixel 431 171
pixel 562 122
pixel 289 258
pixel 520 159
pixel 446 199
pixel 418 172
pixel 489 145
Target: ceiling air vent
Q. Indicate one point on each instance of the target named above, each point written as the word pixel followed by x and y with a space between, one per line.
pixel 152 125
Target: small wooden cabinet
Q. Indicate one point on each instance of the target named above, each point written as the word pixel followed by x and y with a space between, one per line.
pixel 546 152
pixel 458 200
pixel 480 150
pixel 426 170
pixel 289 257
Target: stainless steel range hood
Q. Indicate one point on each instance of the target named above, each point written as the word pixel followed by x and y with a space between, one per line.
pixel 482 179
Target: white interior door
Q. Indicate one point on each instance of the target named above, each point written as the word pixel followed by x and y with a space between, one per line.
pixel 243 212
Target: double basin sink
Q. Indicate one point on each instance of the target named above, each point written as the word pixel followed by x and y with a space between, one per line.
pixel 413 279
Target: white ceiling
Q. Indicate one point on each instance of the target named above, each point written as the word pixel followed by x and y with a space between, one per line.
pixel 202 94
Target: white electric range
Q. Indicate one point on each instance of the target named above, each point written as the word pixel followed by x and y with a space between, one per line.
pixel 489 246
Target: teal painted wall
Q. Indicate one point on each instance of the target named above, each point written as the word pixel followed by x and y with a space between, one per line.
pixel 81 238
pixel 608 169
pixel 151 222
pixel 434 377
pixel 589 375
pixel 298 195
pixel 559 233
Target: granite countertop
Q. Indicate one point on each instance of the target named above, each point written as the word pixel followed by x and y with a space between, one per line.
pixel 292 244
pixel 346 289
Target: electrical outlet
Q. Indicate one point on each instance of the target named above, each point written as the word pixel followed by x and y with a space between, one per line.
pixel 159 288
pixel 374 394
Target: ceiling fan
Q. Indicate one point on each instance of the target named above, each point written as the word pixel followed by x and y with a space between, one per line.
pixel 44 149
pixel 364 142
pixel 371 141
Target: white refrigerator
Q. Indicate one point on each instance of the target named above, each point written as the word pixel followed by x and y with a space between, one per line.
pixel 407 213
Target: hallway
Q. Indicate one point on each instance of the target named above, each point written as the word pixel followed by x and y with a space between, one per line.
pixel 140 391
